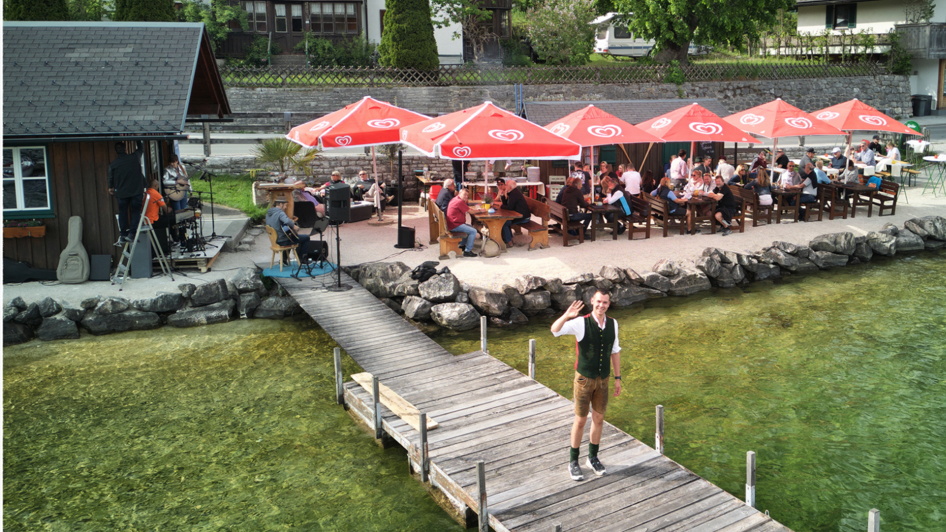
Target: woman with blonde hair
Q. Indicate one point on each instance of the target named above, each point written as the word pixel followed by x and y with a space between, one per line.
pixel 762 187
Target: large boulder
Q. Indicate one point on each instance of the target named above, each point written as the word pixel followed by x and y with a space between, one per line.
pixel 568 295
pixel 276 308
pixel 633 277
pixel 882 243
pixel 915 225
pixel 455 316
pixel 90 303
pixel 787 247
pixel 738 274
pixel 9 312
pixel 57 328
pixel 49 307
pixel 863 251
pixel 805 265
pixel 554 286
pixel 842 243
pixel 656 281
pixel 232 292
pixel 72 312
pixel 528 283
pixel 933 245
pixel 187 289
pixel 130 320
pixel 16 333
pixel 489 302
pixel 612 273
pixel 416 308
pixel 781 258
pixel 709 265
pixel 30 316
pixel 513 296
pixel 515 319
pixel 603 284
pixel 826 259
pixel 716 254
pixel 440 288
pixel 247 304
pixel 247 280
pixel 666 267
pixel 536 301
pixel 689 282
pixel 405 286
pixel 111 305
pixel 909 241
pixel 764 272
pixel 890 228
pixel 219 312
pixel 625 295
pixel 19 304
pixel 583 278
pixel 210 293
pixel 163 302
pixel 379 278
pixel 935 226
pixel 724 279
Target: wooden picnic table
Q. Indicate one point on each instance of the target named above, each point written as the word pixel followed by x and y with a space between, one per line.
pixel 783 199
pixel 494 222
pixel 693 207
pixel 427 182
pixel 599 221
pixel 858 190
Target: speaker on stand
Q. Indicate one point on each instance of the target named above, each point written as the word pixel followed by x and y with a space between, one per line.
pixel 339 211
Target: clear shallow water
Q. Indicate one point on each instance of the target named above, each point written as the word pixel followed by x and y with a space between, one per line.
pixel 230 426
pixel 839 388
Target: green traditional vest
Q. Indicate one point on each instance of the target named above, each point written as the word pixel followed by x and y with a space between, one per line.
pixel 594 349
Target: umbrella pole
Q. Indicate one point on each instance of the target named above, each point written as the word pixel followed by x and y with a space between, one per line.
pixel 774 149
pixel 377 184
pixel 692 158
pixel 592 150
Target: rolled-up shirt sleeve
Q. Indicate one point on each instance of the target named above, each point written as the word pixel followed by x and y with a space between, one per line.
pixel 575 327
pixel 617 346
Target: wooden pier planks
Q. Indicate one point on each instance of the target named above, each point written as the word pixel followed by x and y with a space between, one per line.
pixel 488 411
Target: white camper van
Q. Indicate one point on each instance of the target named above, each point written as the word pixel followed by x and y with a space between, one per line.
pixel 613 37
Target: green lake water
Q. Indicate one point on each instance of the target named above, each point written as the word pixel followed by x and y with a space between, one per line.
pixel 836 380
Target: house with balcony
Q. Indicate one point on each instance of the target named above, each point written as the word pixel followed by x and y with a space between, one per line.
pixel 926 40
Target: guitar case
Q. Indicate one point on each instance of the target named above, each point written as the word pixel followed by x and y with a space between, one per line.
pixel 74 264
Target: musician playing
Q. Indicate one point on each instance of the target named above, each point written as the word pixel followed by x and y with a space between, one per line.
pixel 176 183
pixel 277 218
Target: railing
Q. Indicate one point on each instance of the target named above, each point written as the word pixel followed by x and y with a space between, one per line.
pixel 465 75
pixel 923 41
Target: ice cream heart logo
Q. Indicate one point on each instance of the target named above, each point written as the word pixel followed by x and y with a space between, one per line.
pixel 461 151
pixel 404 134
pixel 343 141
pixel 436 126
pixel 560 128
pixel 827 115
pixel 663 122
pixel 751 119
pixel 295 135
pixel 706 128
pixel 873 120
pixel 605 131
pixel 799 122
pixel 384 123
pixel 321 125
pixel 506 135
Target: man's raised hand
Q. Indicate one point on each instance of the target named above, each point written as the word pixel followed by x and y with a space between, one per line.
pixel 574 309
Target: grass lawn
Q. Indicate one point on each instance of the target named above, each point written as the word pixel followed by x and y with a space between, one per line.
pixel 233 191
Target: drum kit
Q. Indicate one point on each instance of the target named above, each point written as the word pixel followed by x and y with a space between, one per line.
pixel 187 224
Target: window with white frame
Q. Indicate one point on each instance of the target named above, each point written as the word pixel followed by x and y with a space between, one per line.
pixel 280 18
pixel 333 18
pixel 257 16
pixel 25 180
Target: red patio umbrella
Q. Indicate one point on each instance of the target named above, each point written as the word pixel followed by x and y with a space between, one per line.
pixel 778 119
pixel 694 123
pixel 593 127
pixel 855 115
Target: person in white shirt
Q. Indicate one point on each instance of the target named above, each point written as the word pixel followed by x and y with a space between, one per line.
pixel 725 169
pixel 892 152
pixel 695 183
pixel 790 178
pixel 632 180
pixel 678 168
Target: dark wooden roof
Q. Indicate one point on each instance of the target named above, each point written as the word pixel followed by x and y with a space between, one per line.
pixel 102 79
pixel 633 111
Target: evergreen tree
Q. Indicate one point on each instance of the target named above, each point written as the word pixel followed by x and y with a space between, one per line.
pixel 408 39
pixel 144 11
pixel 35 10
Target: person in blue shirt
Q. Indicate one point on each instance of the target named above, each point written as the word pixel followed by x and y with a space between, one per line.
pixel 822 175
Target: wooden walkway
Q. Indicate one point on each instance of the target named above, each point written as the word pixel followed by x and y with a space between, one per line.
pixel 489 411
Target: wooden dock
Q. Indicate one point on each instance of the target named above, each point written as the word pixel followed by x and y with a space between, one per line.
pixel 488 411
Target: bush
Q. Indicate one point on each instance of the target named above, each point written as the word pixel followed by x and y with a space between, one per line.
pixel 408 39
pixel 560 33
pixel 321 51
pixel 256 55
pixel 144 11
pixel 675 74
pixel 35 10
pixel 357 52
pixel 515 53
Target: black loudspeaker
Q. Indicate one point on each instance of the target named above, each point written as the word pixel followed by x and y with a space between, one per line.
pixel 101 265
pixel 405 237
pixel 339 203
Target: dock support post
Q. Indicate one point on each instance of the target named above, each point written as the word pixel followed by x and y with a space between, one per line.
pixel 483 334
pixel 376 395
pixel 423 447
pixel 659 439
pixel 532 359
pixel 558 528
pixel 339 386
pixel 873 520
pixel 750 478
pixel 481 488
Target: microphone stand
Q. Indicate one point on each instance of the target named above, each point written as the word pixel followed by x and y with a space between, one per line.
pixel 207 175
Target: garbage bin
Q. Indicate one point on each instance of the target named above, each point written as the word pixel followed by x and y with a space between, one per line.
pixel 922 104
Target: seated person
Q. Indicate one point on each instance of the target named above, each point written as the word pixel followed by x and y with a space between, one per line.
pixel 695 184
pixel 676 205
pixel 369 196
pixel 648 183
pixel 176 180
pixel 820 173
pixel 321 191
pixel 706 167
pixel 513 200
pixel 809 190
pixel 586 180
pixel 875 144
pixel 781 160
pixel 762 187
pixel 362 186
pixel 456 221
pixel 758 163
pixel 865 155
pixel 790 178
pixel 807 159
pixel 740 176
pixel 725 205
pixel 893 153
pixel 277 218
pixel 837 160
pixel 613 191
pixel 446 194
pixel 725 169
pixel 632 180
pixel 573 200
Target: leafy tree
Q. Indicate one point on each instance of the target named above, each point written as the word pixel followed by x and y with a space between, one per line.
pixel 674 24
pixel 408 39
pixel 91 10
pixel 475 21
pixel 144 10
pixel 560 32
pixel 216 18
pixel 35 10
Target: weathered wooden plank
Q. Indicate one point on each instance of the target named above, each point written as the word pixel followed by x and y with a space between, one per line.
pixel 554 426
pixel 395 403
pixel 393 371
pixel 703 517
pixel 687 509
pixel 507 398
pixel 741 519
pixel 638 512
pixel 501 382
pixel 769 525
pixel 459 365
pixel 458 385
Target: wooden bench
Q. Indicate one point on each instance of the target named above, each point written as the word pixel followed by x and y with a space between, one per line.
pixel 449 241
pixel 640 214
pixel 740 213
pixel 886 197
pixel 751 205
pixel 538 231
pixel 659 210
pixel 832 202
pixel 816 208
pixel 559 214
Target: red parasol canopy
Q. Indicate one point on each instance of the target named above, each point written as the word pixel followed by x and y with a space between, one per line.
pixel 855 115
pixel 778 119
pixel 366 122
pixel 593 127
pixel 486 132
pixel 694 123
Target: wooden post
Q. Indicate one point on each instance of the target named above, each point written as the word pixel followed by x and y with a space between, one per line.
pixel 339 387
pixel 376 394
pixel 206 139
pixel 532 359
pixel 558 528
pixel 481 488
pixel 659 440
pixel 483 334
pixel 873 520
pixel 423 447
pixel 750 478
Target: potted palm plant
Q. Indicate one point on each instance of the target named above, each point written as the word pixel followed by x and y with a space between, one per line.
pixel 23 228
pixel 285 157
